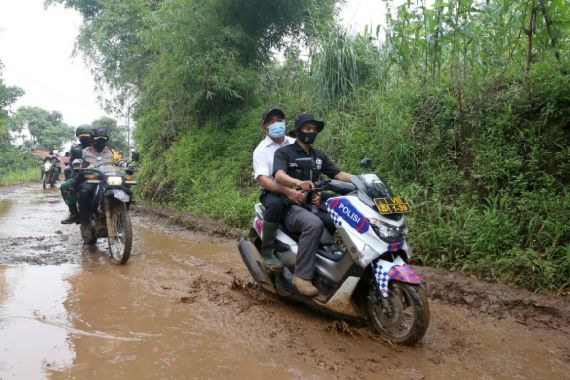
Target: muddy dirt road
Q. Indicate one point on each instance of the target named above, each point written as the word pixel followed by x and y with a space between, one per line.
pixel 182 309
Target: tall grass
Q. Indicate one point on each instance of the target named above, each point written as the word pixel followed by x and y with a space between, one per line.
pixel 334 66
pixel 18 176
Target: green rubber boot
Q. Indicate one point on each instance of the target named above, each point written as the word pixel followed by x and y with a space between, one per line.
pixel 269 232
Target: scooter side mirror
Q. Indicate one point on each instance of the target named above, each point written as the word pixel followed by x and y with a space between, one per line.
pixel 365 163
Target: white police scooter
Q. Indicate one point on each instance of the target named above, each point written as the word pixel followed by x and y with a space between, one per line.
pixel 369 277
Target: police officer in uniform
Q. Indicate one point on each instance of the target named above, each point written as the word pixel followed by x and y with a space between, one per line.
pixel 94 156
pixel 299 219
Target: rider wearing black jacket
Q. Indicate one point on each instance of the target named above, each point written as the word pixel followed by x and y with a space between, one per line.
pixel 299 219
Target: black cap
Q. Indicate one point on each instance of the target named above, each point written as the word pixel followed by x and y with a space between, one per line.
pixel 272 111
pixel 305 118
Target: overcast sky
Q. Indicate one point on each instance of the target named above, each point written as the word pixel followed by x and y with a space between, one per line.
pixel 36 48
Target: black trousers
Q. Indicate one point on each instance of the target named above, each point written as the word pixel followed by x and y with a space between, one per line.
pixel 84 199
pixel 275 207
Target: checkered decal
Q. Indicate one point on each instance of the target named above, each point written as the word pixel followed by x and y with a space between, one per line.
pixel 337 220
pixel 382 278
pixel 402 273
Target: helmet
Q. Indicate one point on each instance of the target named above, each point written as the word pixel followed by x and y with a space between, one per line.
pixel 84 130
pixel 99 133
pixel 76 152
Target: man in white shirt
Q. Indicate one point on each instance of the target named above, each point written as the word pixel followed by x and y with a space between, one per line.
pixel 273 126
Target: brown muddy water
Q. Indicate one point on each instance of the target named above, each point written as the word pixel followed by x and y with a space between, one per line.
pixel 184 308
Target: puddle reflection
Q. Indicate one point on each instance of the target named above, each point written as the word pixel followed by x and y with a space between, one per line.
pixel 5 206
pixel 33 319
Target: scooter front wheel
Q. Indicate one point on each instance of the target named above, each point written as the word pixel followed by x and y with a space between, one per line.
pixel 403 316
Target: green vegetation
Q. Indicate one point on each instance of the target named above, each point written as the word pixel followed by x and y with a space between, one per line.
pixel 8 95
pixel 18 176
pixel 18 167
pixel 15 167
pixel 46 129
pixel 463 107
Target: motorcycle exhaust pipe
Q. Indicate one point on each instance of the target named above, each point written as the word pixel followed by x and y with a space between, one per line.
pixel 255 264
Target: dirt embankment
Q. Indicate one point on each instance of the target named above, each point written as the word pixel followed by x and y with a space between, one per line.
pixel 189 221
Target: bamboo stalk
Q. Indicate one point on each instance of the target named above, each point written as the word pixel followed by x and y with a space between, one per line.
pixel 529 32
pixel 548 23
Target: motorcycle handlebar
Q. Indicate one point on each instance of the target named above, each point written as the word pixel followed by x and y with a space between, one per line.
pixel 95 171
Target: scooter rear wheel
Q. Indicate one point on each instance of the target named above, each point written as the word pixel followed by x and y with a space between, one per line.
pixel 402 317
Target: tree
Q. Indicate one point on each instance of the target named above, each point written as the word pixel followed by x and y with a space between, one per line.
pixel 8 95
pixel 117 134
pixel 46 129
pixel 187 62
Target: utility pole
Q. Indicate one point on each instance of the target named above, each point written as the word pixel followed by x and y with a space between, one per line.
pixel 129 128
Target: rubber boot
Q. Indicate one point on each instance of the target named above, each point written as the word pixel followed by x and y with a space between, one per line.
pixel 269 232
pixel 73 215
pixel 86 233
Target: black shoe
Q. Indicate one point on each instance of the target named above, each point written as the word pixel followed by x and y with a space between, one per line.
pixel 72 218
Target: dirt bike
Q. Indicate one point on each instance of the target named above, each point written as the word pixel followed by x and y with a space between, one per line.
pixel 369 278
pixel 110 216
pixel 48 176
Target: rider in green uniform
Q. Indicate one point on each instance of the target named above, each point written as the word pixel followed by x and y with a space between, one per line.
pixel 70 187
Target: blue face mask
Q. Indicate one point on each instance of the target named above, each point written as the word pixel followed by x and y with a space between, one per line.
pixel 276 129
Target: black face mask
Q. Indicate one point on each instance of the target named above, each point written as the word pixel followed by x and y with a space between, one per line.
pixel 99 145
pixel 307 137
pixel 85 142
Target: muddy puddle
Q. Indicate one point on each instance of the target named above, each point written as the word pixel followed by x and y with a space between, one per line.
pixel 184 308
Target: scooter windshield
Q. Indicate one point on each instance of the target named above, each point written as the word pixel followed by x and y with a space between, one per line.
pixel 374 187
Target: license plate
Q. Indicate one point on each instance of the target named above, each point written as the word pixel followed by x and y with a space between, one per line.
pixel 392 205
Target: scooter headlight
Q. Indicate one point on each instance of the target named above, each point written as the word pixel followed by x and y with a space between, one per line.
pixel 388 233
pixel 114 181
